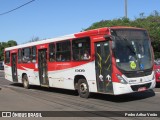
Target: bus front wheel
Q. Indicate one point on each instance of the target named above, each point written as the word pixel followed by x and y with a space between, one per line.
pixel 25 82
pixel 83 88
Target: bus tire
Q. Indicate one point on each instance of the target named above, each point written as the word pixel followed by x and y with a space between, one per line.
pixel 25 82
pixel 83 88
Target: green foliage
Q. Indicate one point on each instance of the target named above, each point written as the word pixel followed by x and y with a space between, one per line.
pixel 4 45
pixel 150 23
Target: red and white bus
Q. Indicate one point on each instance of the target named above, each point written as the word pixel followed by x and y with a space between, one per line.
pixel 113 60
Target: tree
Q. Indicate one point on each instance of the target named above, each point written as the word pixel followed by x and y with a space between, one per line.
pixel 150 23
pixel 11 43
pixel 4 45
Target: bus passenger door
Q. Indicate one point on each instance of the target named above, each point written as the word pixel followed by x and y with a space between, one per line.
pixel 42 67
pixel 14 67
pixel 103 67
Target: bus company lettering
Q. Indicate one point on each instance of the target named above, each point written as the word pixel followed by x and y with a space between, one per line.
pixel 42 46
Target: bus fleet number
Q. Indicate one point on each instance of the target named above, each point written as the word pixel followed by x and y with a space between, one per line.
pixel 79 70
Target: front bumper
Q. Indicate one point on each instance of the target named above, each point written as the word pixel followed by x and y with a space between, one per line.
pixel 134 84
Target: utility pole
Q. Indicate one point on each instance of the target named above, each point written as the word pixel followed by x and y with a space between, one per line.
pixel 125 8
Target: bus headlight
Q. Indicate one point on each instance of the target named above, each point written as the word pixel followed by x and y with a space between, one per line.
pixel 122 80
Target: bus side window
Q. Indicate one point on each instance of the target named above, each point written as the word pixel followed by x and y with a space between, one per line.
pixel 34 55
pixel 51 52
pixel 63 51
pixel 19 56
pixel 81 49
pixel 7 57
pixel 26 53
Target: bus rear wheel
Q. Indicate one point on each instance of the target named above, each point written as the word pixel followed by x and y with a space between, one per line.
pixel 83 88
pixel 25 82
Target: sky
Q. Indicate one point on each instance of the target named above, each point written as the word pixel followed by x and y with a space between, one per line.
pixel 52 18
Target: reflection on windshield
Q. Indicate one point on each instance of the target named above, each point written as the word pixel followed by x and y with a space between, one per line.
pixel 133 52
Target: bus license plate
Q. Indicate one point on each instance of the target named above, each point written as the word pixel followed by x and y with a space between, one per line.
pixel 142 89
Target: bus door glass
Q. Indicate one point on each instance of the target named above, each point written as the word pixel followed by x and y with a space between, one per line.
pixel 103 67
pixel 42 67
pixel 14 67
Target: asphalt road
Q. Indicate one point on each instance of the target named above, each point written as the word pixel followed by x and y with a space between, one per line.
pixel 13 97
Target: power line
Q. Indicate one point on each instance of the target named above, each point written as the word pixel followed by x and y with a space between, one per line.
pixel 17 7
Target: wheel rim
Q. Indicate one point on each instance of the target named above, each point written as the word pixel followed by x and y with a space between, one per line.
pixel 83 88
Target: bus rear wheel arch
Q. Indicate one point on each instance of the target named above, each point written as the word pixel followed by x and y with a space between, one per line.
pixel 83 88
pixel 25 81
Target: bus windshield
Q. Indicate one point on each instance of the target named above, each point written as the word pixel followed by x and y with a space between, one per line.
pixel 132 50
